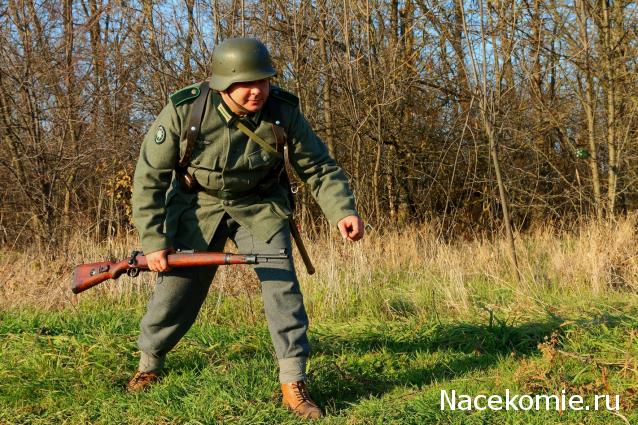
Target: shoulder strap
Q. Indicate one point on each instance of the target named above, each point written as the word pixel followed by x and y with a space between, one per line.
pixel 285 170
pixel 281 136
pixel 186 94
pixel 281 139
pixel 194 124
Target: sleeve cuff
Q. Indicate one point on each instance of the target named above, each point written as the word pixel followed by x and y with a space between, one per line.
pixel 154 244
pixel 334 219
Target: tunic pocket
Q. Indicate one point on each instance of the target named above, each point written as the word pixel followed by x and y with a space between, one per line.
pixel 200 146
pixel 207 154
pixel 261 159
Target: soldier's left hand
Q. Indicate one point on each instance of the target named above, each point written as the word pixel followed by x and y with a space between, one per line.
pixel 351 227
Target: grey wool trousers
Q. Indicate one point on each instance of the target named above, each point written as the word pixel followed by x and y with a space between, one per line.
pixel 180 293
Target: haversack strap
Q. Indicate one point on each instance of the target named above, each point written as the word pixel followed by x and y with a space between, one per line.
pixel 255 137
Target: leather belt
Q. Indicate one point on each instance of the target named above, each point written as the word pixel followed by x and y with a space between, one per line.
pixel 227 195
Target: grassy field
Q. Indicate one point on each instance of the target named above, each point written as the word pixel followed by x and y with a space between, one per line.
pixel 395 320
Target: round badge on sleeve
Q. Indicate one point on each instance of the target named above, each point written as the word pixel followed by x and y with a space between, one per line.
pixel 160 135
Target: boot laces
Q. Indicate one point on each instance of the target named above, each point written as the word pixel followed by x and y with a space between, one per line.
pixel 301 391
pixel 143 377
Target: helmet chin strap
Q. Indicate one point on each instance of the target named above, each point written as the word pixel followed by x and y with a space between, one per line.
pixel 243 110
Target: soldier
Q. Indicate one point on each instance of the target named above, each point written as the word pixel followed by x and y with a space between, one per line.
pixel 227 186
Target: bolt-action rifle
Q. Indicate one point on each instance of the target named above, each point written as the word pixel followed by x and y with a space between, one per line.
pixel 86 276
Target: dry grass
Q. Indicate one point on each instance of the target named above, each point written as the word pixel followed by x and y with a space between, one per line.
pixel 400 273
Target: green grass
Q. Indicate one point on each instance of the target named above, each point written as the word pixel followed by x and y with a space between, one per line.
pixel 395 319
pixel 71 366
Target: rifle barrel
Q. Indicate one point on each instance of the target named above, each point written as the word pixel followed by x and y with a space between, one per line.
pixel 86 276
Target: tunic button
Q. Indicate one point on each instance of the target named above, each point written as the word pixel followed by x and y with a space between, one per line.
pixel 226 203
pixel 265 157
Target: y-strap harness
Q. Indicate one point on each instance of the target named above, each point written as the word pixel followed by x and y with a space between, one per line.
pixel 190 184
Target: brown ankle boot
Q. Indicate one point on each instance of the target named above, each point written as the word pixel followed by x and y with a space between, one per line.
pixel 297 399
pixel 141 381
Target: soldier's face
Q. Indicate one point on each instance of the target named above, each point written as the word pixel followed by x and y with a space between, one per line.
pixel 251 95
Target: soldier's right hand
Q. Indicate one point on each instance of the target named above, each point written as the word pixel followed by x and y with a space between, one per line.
pixel 157 260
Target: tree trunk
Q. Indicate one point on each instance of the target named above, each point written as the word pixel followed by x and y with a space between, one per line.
pixel 326 89
pixel 489 130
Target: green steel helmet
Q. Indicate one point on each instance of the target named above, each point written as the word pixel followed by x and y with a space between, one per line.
pixel 239 60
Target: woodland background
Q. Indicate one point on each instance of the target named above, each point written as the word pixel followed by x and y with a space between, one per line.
pixel 465 126
pixel 458 113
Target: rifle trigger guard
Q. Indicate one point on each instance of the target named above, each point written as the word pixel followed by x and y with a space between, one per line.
pixel 133 272
pixel 294 189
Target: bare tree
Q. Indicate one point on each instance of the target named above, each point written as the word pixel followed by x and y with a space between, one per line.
pixel 477 115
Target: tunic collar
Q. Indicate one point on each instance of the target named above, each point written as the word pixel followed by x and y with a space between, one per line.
pixel 229 117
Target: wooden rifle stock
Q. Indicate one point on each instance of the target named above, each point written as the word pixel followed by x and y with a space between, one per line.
pixel 87 276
